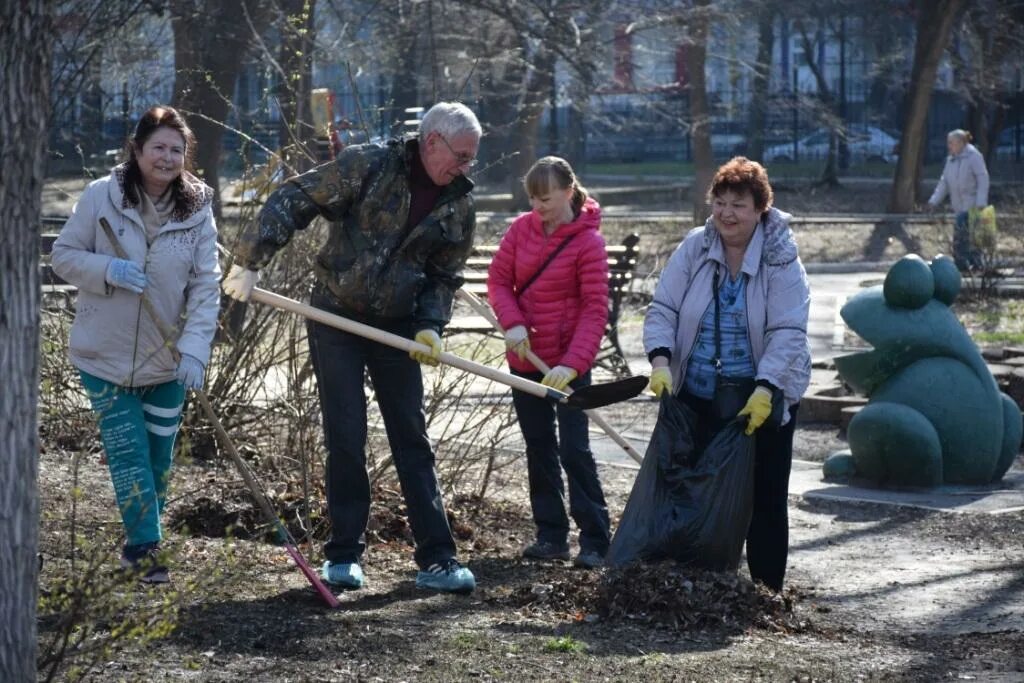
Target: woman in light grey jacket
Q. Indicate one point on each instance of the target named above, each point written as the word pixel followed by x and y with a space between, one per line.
pixel 161 216
pixel 745 255
pixel 965 180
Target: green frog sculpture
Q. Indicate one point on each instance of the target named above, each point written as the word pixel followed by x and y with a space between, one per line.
pixel 935 414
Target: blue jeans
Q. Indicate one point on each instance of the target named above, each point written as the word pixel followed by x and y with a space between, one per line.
pixel 964 253
pixel 339 360
pixel 546 457
pixel 138 426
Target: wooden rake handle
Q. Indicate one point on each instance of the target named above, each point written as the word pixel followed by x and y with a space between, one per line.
pixel 485 311
pixel 387 338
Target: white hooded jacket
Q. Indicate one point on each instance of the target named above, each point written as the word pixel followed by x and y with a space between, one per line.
pixel 112 336
pixel 778 303
pixel 964 179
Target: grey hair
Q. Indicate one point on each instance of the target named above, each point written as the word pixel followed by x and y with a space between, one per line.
pixel 450 119
pixel 960 134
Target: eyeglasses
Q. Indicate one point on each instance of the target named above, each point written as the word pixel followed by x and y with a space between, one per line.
pixel 464 159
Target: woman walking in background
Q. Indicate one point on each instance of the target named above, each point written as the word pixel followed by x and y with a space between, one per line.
pixel 548 285
pixel 965 180
pixel 162 216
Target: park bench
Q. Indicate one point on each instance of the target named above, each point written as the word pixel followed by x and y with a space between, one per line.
pixel 622 260
pixel 56 292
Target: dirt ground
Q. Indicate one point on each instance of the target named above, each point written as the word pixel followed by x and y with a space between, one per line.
pixel 874 593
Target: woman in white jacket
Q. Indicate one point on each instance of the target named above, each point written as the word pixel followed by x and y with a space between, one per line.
pixel 965 180
pixel 733 302
pixel 136 379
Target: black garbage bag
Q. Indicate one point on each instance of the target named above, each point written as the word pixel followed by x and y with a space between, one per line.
pixel 688 505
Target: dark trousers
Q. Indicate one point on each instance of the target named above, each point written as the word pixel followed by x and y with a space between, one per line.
pixel 339 360
pixel 768 535
pixel 964 253
pixel 547 455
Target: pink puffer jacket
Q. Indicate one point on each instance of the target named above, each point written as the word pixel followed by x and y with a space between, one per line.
pixel 566 308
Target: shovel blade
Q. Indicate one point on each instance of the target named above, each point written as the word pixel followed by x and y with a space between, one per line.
pixel 598 395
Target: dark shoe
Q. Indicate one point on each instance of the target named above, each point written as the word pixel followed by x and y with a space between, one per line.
pixel 546 550
pixel 589 559
pixel 147 562
pixel 448 576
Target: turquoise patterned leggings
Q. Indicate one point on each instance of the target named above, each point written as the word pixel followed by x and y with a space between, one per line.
pixel 138 426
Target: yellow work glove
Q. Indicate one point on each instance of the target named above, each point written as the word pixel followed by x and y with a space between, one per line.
pixel 428 338
pixel 559 377
pixel 661 381
pixel 759 407
pixel 517 340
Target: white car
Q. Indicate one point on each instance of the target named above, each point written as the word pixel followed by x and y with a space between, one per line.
pixel 866 143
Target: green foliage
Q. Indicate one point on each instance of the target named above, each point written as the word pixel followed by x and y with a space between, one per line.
pixel 564 644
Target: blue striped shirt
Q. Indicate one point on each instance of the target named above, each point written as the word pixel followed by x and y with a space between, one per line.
pixel 737 358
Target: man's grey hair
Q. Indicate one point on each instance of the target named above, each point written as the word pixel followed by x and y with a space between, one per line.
pixel 450 119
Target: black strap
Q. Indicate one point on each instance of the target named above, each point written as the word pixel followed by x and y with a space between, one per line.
pixel 547 262
pixel 717 360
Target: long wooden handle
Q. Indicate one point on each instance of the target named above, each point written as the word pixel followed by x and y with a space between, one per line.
pixel 485 311
pixel 403 344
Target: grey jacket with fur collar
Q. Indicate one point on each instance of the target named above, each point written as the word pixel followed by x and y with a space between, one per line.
pixel 112 337
pixel 778 302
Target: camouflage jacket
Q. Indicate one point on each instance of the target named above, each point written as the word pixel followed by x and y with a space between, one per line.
pixel 375 269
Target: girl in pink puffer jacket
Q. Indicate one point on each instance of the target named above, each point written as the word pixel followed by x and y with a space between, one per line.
pixel 548 285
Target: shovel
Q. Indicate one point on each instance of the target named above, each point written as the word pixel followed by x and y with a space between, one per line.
pixel 585 398
pixel 598 419
pixel 284 536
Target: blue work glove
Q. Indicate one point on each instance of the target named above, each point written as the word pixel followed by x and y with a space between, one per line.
pixel 190 372
pixel 126 275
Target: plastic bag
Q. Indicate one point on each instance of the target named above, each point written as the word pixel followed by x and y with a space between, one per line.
pixel 982 226
pixel 688 506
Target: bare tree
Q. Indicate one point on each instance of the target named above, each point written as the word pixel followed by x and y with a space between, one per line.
pixel 990 45
pixel 24 107
pixel 935 19
pixel 765 13
pixel 298 38
pixel 700 111
pixel 211 40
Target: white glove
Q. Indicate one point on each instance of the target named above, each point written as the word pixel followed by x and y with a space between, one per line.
pixel 517 339
pixel 240 282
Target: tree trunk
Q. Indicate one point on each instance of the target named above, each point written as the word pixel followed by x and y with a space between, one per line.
pixel 935 20
pixel 527 126
pixel 700 112
pixel 24 107
pixel 830 172
pixel 210 44
pixel 762 73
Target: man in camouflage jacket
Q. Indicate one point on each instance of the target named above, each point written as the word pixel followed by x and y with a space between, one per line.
pixel 401 227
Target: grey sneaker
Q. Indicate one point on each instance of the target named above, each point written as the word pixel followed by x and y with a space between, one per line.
pixel 589 559
pixel 347 575
pixel 546 550
pixel 448 576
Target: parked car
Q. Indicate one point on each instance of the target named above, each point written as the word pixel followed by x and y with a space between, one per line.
pixel 865 143
pixel 1006 149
